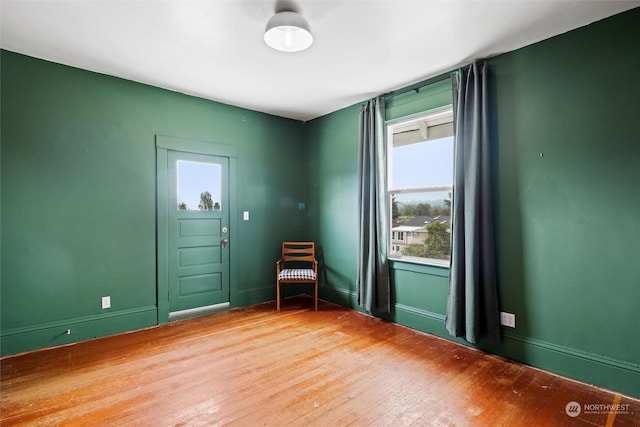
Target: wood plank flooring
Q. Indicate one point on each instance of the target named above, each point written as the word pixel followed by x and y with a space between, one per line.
pixel 257 367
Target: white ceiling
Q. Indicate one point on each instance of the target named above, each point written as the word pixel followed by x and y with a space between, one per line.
pixel 214 49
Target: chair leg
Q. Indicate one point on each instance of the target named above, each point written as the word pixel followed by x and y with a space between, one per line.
pixel 278 296
pixel 315 296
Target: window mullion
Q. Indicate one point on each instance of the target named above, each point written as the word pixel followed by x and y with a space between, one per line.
pixel 430 189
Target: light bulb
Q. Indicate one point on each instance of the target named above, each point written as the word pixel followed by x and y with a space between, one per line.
pixel 288 41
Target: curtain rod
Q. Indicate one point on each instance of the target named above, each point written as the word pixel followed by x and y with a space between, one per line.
pixel 416 86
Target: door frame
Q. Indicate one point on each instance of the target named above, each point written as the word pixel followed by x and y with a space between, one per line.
pixel 164 144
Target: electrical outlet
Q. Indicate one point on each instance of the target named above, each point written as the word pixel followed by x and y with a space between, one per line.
pixel 508 319
pixel 245 215
pixel 106 302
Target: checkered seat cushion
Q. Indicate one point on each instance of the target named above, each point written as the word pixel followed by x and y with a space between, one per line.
pixel 297 274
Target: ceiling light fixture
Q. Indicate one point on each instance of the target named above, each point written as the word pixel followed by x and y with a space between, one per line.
pixel 288 32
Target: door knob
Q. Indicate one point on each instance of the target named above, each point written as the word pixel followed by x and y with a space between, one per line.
pixel 224 242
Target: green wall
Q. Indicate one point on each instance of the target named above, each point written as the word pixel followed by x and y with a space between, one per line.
pixel 332 201
pixel 567 222
pixel 79 194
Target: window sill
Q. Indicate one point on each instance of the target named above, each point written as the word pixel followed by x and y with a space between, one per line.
pixel 434 267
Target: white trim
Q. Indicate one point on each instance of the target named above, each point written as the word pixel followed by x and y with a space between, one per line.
pixel 432 189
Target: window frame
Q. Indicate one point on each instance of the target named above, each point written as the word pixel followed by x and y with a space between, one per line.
pixel 389 127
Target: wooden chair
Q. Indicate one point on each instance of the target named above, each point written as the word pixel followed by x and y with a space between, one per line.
pixel 298 265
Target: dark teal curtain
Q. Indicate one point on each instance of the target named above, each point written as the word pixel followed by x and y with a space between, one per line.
pixel 372 280
pixel 472 305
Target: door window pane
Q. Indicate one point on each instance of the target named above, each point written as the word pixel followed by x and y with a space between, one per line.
pixel 199 186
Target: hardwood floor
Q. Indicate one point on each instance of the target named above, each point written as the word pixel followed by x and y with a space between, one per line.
pixel 254 366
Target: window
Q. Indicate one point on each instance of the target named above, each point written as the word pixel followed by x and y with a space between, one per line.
pixel 420 167
pixel 397 236
pixel 199 186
